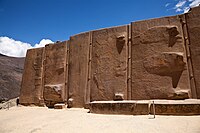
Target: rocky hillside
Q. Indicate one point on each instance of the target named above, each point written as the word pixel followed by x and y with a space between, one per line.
pixel 11 69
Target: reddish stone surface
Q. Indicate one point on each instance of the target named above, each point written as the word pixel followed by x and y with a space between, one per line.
pixel 55 73
pixel 193 24
pixel 32 82
pixel 119 107
pixel 146 107
pixel 158 58
pixel 78 69
pixel 109 63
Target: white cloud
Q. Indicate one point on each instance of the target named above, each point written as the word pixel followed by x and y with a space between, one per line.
pixel 185 5
pixel 42 43
pixel 179 10
pixel 166 5
pixel 194 3
pixel 181 3
pixel 11 47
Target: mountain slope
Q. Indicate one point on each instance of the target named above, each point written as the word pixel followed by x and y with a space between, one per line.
pixel 11 69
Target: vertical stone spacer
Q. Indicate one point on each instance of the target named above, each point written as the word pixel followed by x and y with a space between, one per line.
pixel 129 89
pixel 88 91
pixel 183 21
pixel 67 72
pixel 41 102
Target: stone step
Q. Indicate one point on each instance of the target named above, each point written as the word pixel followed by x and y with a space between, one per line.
pixel 145 107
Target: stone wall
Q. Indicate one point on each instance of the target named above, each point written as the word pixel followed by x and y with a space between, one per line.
pixel 150 59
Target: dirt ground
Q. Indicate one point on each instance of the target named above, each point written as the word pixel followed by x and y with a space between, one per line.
pixel 44 120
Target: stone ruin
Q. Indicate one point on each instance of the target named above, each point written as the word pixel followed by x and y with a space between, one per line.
pixel 151 59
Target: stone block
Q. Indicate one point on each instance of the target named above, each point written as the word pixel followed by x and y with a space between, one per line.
pixel 55 73
pixel 109 63
pixel 193 27
pixel 59 106
pixel 119 107
pixel 176 107
pixel 179 95
pixel 146 107
pixel 78 68
pixel 32 81
pixel 159 63
pixel 70 103
pixel 118 97
pixel 54 92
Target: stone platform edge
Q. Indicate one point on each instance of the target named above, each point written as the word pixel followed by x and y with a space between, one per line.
pixel 146 107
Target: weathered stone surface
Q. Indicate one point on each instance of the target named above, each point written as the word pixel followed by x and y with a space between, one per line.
pixel 109 63
pixel 55 73
pixel 165 64
pixel 179 95
pixel 54 92
pixel 119 107
pixel 145 107
pixel 32 82
pixel 176 107
pixel 193 25
pixel 78 68
pixel 158 59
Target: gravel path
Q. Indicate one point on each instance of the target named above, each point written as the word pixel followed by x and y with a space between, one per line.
pixel 44 120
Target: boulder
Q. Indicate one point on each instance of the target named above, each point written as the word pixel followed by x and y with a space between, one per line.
pixel 179 95
pixel 59 106
pixel 118 97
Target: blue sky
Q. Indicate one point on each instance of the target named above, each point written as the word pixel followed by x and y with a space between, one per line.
pixel 30 21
